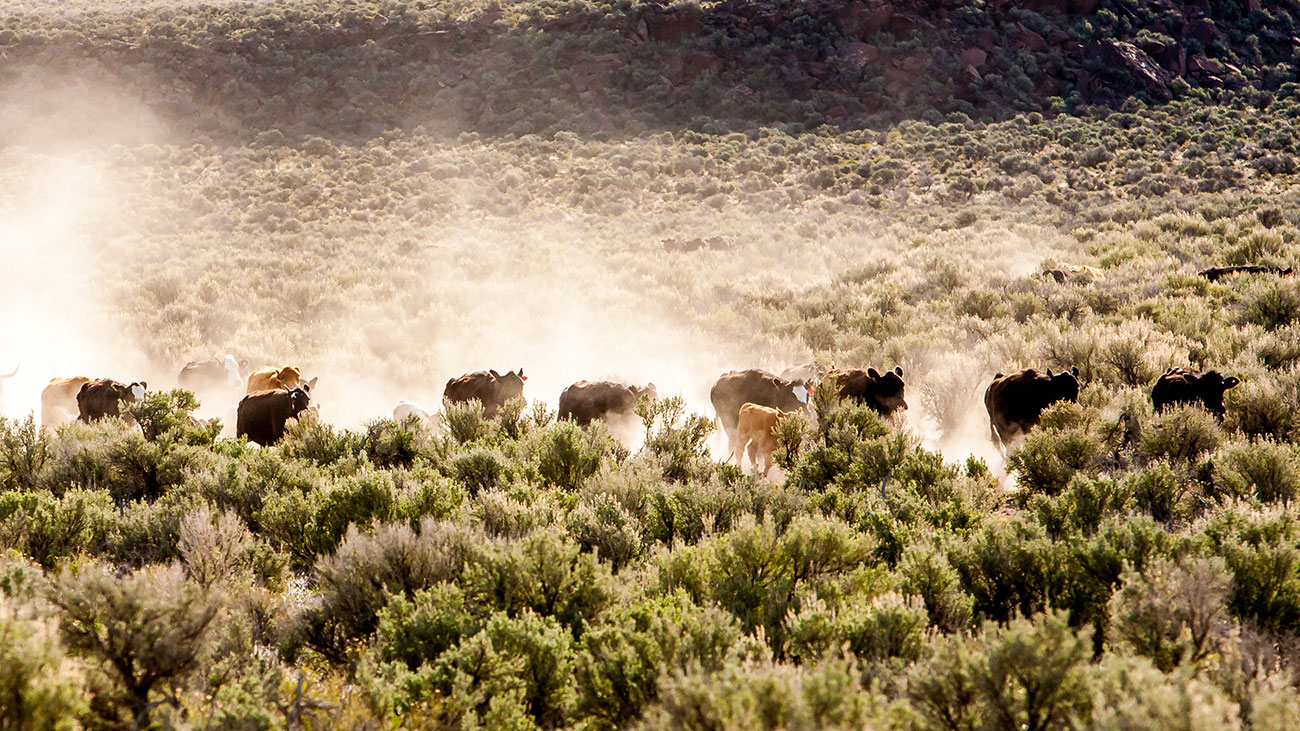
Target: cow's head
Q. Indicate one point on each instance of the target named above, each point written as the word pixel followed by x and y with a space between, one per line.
pixel 1210 386
pixel 232 370
pixel 310 385
pixel 131 393
pixel 648 391
pixel 801 389
pixel 1065 385
pixel 887 390
pixel 299 400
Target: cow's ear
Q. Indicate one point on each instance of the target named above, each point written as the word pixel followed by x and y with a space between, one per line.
pixel 1231 381
pixel 521 372
pixel 1049 372
pixel 494 373
pixel 312 383
pixel 144 385
pixel 899 371
pixel 1074 371
pixel 872 372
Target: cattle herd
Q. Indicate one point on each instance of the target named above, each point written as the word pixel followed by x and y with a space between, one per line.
pixel 750 404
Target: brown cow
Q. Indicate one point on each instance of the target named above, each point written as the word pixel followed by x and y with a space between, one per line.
pixel 104 396
pixel 737 388
pixel 262 416
pixel 1180 386
pixel 882 393
pixel 216 375
pixel 489 388
pixel 59 401
pixel 273 378
pixel 1016 401
pixel 588 401
pixel 757 428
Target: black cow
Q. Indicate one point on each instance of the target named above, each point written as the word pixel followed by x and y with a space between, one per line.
pixel 883 393
pixel 1016 401
pixel 1179 386
pixel 490 388
pixel 104 396
pixel 261 416
pixel 1215 273
pixel 588 401
pixel 737 388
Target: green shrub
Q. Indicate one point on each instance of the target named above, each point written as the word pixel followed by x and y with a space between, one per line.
pixel 927 574
pixel 1272 304
pixel 419 629
pixel 601 525
pixel 51 530
pixel 1030 674
pixel 1009 567
pixel 1262 550
pixel 1182 434
pixel 1132 693
pixel 40 686
pixel 389 443
pixel 543 573
pixel 1264 470
pixel 888 626
pixel 1259 411
pixel 147 630
pixel 24 451
pixel 1173 613
pixel 566 455
pixel 1049 459
pixel 1164 495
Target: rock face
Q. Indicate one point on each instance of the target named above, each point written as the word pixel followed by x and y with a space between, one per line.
pixel 1126 55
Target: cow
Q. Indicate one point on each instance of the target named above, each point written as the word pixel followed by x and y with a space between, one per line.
pixel 406 409
pixel 1081 272
pixel 1215 273
pixel 2 386
pixel 1016 401
pixel 59 401
pixel 104 397
pixel 737 388
pixel 1180 386
pixel 261 416
pixel 277 378
pixel 216 375
pixel 489 388
pixel 810 372
pixel 756 426
pixel 588 401
pixel 881 393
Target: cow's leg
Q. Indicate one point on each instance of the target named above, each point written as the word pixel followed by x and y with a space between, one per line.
pixel 752 450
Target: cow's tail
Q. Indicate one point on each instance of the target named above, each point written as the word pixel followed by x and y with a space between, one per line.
pixel 12 374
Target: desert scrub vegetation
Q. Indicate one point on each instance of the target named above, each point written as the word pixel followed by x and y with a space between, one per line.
pixel 391 194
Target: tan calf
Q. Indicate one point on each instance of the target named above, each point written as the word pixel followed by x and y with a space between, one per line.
pixel 757 433
pixel 59 401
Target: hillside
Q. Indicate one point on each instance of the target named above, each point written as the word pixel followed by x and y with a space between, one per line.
pixel 390 194
pixel 226 70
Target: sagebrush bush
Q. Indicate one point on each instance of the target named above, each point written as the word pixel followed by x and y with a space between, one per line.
pixel 1173 613
pixel 1182 434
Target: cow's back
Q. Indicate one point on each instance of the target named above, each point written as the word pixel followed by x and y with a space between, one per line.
pixel 273 378
pixel 733 390
pixel 1174 387
pixel 587 401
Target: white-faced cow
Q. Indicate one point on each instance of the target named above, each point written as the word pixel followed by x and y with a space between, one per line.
pixel 261 416
pixel 1179 386
pixel 588 401
pixel 213 376
pixel 277 378
pixel 882 393
pixel 1015 401
pixel 737 388
pixel 489 388
pixel 756 426
pixel 104 397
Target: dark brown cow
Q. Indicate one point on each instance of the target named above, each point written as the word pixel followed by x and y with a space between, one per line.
pixel 588 401
pixel 216 375
pixel 1214 274
pixel 103 397
pixel 490 388
pixel 883 393
pixel 261 416
pixel 1016 401
pixel 737 388
pixel 1180 386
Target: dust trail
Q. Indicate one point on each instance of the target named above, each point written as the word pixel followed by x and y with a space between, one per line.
pixel 53 315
